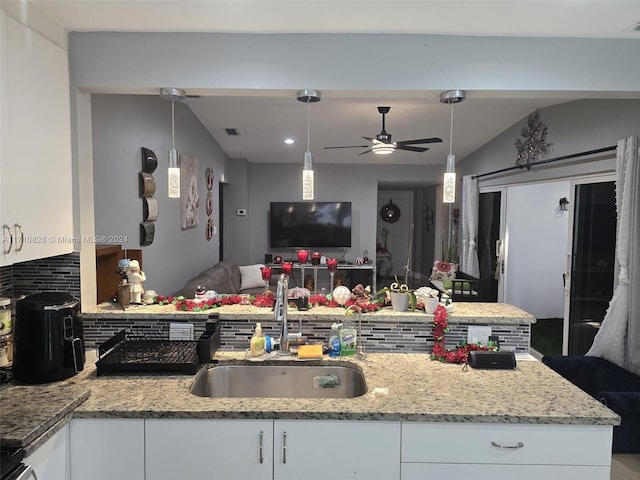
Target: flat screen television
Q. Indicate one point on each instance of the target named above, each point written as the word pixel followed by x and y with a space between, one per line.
pixel 310 224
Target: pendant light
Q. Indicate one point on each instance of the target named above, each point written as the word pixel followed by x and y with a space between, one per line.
pixel 449 182
pixel 308 96
pixel 173 172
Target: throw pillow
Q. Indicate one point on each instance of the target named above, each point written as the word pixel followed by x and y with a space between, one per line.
pixel 442 270
pixel 251 276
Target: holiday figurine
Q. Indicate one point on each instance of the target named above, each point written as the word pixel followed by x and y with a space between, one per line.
pixel 135 276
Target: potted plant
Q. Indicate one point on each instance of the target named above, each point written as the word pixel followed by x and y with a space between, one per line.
pixel 300 297
pixel 429 297
pixel 402 298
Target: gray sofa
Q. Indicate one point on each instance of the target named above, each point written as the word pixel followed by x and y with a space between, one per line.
pixel 224 277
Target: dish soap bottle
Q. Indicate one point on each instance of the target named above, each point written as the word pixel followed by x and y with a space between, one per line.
pixel 348 339
pixel 334 340
pixel 257 342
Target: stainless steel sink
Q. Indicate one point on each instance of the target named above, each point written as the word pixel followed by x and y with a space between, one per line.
pixel 283 381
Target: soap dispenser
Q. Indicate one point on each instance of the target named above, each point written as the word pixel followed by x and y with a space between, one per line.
pixel 257 342
pixel 334 340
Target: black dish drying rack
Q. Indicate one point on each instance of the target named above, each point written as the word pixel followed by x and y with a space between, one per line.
pixel 147 350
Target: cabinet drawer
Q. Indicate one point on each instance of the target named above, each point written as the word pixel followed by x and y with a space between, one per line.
pixel 422 471
pixel 507 444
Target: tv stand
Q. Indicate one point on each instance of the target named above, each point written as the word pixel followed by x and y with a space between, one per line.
pixel 342 266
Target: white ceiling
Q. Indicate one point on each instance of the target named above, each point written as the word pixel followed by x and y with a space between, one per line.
pixel 342 118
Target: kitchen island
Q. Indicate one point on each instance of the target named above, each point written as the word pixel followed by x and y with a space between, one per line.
pixel 410 401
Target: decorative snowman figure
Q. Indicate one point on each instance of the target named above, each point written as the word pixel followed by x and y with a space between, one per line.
pixel 135 276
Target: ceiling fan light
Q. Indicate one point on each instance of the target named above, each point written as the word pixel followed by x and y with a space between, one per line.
pixel 383 148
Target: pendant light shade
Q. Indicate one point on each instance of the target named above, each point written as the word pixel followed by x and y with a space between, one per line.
pixel 173 171
pixel 449 181
pixel 308 96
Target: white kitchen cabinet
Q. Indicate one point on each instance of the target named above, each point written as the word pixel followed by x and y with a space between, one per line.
pixel 272 449
pixel 35 164
pixel 533 451
pixel 51 460
pixel 317 450
pixel 107 449
pixel 422 471
pixel 220 449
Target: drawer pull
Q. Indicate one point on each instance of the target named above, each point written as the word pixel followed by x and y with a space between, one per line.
pixel 517 445
pixel 261 458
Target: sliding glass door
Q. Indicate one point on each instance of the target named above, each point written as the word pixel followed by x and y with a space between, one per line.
pixel 592 263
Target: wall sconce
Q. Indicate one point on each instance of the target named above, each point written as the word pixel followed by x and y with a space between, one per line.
pixel 564 204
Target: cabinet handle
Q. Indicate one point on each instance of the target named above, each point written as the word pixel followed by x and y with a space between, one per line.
pixel 284 447
pixel 18 228
pixel 261 458
pixel 8 230
pixel 516 446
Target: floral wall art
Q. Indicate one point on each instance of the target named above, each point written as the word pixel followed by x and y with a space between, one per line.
pixel 189 196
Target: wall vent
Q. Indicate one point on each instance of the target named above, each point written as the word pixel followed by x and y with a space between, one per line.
pixel 232 132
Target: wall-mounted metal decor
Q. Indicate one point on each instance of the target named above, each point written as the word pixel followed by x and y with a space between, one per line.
pixel 533 143
pixel 147 187
pixel 149 161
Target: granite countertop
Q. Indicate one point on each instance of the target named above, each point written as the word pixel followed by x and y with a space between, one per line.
pixel 407 387
pixel 32 413
pixel 418 390
pixel 463 312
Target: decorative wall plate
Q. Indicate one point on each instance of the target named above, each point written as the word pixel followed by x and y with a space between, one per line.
pixel 209 230
pixel 147 185
pixel 208 174
pixel 150 209
pixel 149 160
pixel 147 232
pixel 209 203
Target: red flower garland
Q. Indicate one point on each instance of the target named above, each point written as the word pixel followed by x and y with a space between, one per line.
pixel 440 351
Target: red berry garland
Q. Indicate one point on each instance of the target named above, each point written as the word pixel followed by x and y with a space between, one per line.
pixel 440 351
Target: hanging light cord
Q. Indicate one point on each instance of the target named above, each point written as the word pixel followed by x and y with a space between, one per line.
pixel 451 134
pixel 308 124
pixel 173 125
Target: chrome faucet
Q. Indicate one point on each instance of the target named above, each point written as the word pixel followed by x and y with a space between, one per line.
pixel 280 311
pixel 360 348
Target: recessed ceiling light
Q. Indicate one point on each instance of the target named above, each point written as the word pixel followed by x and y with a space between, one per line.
pixel 289 141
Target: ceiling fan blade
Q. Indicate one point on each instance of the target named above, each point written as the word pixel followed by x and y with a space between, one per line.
pixel 411 149
pixel 371 139
pixel 348 146
pixel 420 140
pixel 366 151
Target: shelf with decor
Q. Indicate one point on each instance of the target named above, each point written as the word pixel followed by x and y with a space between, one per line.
pixel 350 268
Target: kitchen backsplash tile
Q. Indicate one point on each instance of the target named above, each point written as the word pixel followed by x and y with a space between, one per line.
pixel 61 273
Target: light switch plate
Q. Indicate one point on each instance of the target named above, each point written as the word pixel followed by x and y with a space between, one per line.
pixel 477 333
pixel 241 212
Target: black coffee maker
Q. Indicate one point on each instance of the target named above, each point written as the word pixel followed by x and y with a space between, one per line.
pixel 48 338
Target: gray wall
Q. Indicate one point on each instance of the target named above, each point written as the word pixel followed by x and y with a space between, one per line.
pixel 122 124
pixel 573 127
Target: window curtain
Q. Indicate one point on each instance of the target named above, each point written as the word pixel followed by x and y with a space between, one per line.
pixel 469 254
pixel 618 339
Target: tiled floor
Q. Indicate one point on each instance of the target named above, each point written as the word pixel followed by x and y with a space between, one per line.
pixel 625 467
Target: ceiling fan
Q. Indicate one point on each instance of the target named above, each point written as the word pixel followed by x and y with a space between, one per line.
pixel 382 143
